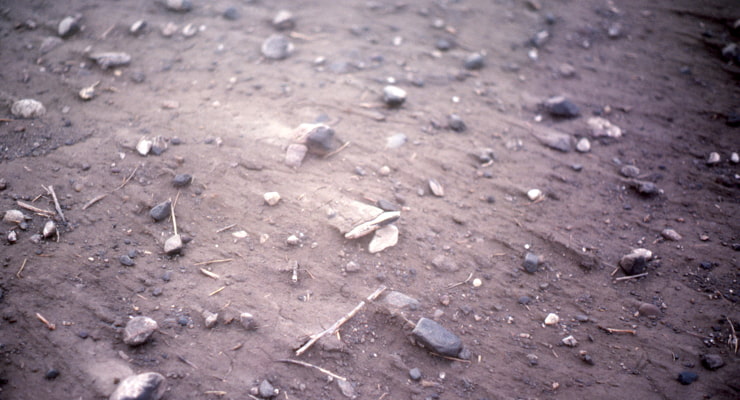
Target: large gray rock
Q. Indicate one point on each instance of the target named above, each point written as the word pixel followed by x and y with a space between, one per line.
pixel 139 330
pixel 434 337
pixel 146 386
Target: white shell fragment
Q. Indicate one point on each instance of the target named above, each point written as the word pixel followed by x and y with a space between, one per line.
pixel 50 229
pixel 240 234
pixel 384 238
pixel 373 225
pixel 551 319
pixel 144 146
pixel 272 198
pixel 87 93
pixel 601 127
pixel 535 194
pixel 28 108
pixel 436 188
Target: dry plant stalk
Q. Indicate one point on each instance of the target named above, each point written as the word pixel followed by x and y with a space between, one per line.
pixel 18 274
pixel 46 322
pixel 209 273
pixel 315 337
pixel 41 211
pixel 614 330
pixel 125 181
pixel 214 261
pixel 93 201
pixel 53 194
pixel 305 364
pixel 624 278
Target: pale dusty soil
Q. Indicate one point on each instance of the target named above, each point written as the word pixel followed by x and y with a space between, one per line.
pixel 235 115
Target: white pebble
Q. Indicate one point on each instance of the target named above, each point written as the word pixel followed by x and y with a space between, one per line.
pixel 272 198
pixel 534 194
pixel 583 145
pixel 477 282
pixel 551 319
pixel 714 158
pixel 734 158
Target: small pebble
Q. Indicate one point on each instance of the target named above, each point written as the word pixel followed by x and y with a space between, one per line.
pixel 283 20
pixel 146 386
pixel 552 319
pixel 629 171
pixel 293 240
pixel 583 145
pixel 712 361
pixel 182 180
pixel 474 61
pixel 68 27
pixel 394 96
pixel 179 5
pixel 524 300
pixel 231 14
pixel 535 194
pixel 126 261
pixel 272 198
pixel 531 263
pixel 687 377
pixel 477 282
pixel 248 322
pixel 27 108
pixel 734 158
pixel 277 47
pixel 456 123
pixel 561 107
pixel 161 211
pixel 713 158
pixel 51 374
pixel 266 390
pixel 138 330
pixel 415 374
pixel 670 234
pixel 570 341
pixel 649 310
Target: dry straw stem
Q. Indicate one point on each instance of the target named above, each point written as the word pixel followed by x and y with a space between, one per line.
pixel 624 278
pixel 93 201
pixel 613 330
pixel 40 211
pixel 125 181
pixel 18 274
pixel 46 322
pixel 305 364
pixel 315 337
pixel 209 273
pixel 53 194
pixel 214 261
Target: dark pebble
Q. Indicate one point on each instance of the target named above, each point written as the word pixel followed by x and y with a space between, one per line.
pixel 182 180
pixel 183 320
pixel 706 265
pixel 83 334
pixel 436 338
pixel 175 141
pixel 444 44
pixel 126 261
pixel 490 199
pixel 133 253
pixel 577 167
pixel 161 211
pixel 474 61
pixel 525 300
pixel 138 77
pixel 157 291
pixel 167 276
pixel 387 205
pixel 562 108
pixel 266 390
pixel 231 13
pixel 456 123
pixel 51 374
pixel 687 377
pixel 86 166
pixel 531 262
pixel 415 374
pixel 587 359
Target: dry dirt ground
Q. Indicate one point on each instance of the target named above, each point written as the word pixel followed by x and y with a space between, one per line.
pixel 229 114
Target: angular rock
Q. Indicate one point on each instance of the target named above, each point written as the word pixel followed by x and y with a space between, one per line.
pixel 144 146
pixel 535 194
pixel 436 188
pixel 645 188
pixel 634 263
pixel 713 158
pixel 554 139
pixel 474 61
pixel 583 145
pixel 14 217
pixel 178 5
pixel 266 390
pixel 570 341
pixel 601 127
pixel 385 237
pixel 399 301
pixel 126 261
pixel 283 20
pixel 443 264
pixel 712 361
pixel 277 47
pixel 552 319
pixel 561 107
pixel 295 154
pixel 27 108
pixel 318 138
pixel 347 389
pixel 161 211
pixel 182 180
pixel 110 59
pixel 670 234
pixel 394 96
pixel 138 330
pixel 68 27
pixel 173 245
pixel 272 198
pixel 146 386
pixel 436 338
pixel 415 374
pixel 209 319
pixel 687 377
pixel 159 145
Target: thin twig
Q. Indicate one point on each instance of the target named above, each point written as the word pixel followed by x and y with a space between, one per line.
pixel 460 283
pixel 37 210
pixel 125 181
pixel 186 361
pixel 624 278
pixel 226 228
pixel 342 147
pixel 53 194
pixel 46 322
pixel 613 330
pixel 305 364
pixel 107 31
pixel 732 341
pixel 217 291
pixel 172 212
pixel 18 274
pixel 315 337
pixel 209 273
pixel 214 261
pixel 93 201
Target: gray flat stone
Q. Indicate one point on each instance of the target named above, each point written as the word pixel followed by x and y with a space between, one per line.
pixel 146 386
pixel 436 338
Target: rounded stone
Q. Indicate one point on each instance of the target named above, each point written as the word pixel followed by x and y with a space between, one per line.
pixel 474 61
pixel 394 96
pixel 28 108
pixel 687 377
pixel 146 386
pixel 277 47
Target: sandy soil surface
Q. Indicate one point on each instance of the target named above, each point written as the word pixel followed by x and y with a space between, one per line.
pixel 227 114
